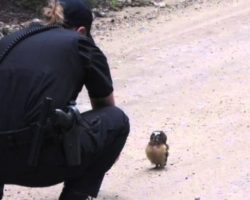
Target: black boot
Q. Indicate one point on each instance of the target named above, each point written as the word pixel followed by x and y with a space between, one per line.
pixel 73 195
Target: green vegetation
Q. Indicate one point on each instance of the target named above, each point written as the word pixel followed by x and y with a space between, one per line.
pixel 113 4
pixel 105 3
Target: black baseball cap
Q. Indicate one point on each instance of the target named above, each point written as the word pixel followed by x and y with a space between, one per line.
pixel 77 13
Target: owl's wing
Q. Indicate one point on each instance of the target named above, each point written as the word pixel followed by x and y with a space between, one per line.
pixel 167 149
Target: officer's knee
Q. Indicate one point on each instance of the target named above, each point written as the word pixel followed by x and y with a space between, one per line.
pixel 125 121
pixel 126 124
pixel 120 119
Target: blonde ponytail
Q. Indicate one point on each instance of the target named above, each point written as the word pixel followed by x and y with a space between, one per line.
pixel 53 13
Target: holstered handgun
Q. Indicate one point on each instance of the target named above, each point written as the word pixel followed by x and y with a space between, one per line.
pixel 69 123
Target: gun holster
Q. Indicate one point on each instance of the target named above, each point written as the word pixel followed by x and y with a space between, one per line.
pixel 70 125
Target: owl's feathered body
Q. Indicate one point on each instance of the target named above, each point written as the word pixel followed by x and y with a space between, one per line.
pixel 157 149
pixel 157 154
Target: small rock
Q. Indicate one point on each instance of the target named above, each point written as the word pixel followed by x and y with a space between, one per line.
pixel 160 4
pixel 5 29
pixel 99 13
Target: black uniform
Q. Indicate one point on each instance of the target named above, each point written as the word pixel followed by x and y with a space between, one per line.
pixel 56 63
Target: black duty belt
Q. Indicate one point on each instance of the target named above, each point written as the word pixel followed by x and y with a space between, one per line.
pixel 20 137
pixel 52 124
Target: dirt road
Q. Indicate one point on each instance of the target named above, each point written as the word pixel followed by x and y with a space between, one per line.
pixel 187 73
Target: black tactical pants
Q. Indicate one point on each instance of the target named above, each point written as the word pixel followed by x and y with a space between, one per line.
pixel 100 149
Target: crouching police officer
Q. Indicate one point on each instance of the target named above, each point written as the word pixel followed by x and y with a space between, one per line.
pixel 44 140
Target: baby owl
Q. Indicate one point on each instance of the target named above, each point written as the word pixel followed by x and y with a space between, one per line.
pixel 157 149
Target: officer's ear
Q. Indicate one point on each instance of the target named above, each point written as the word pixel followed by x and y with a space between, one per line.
pixel 81 30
